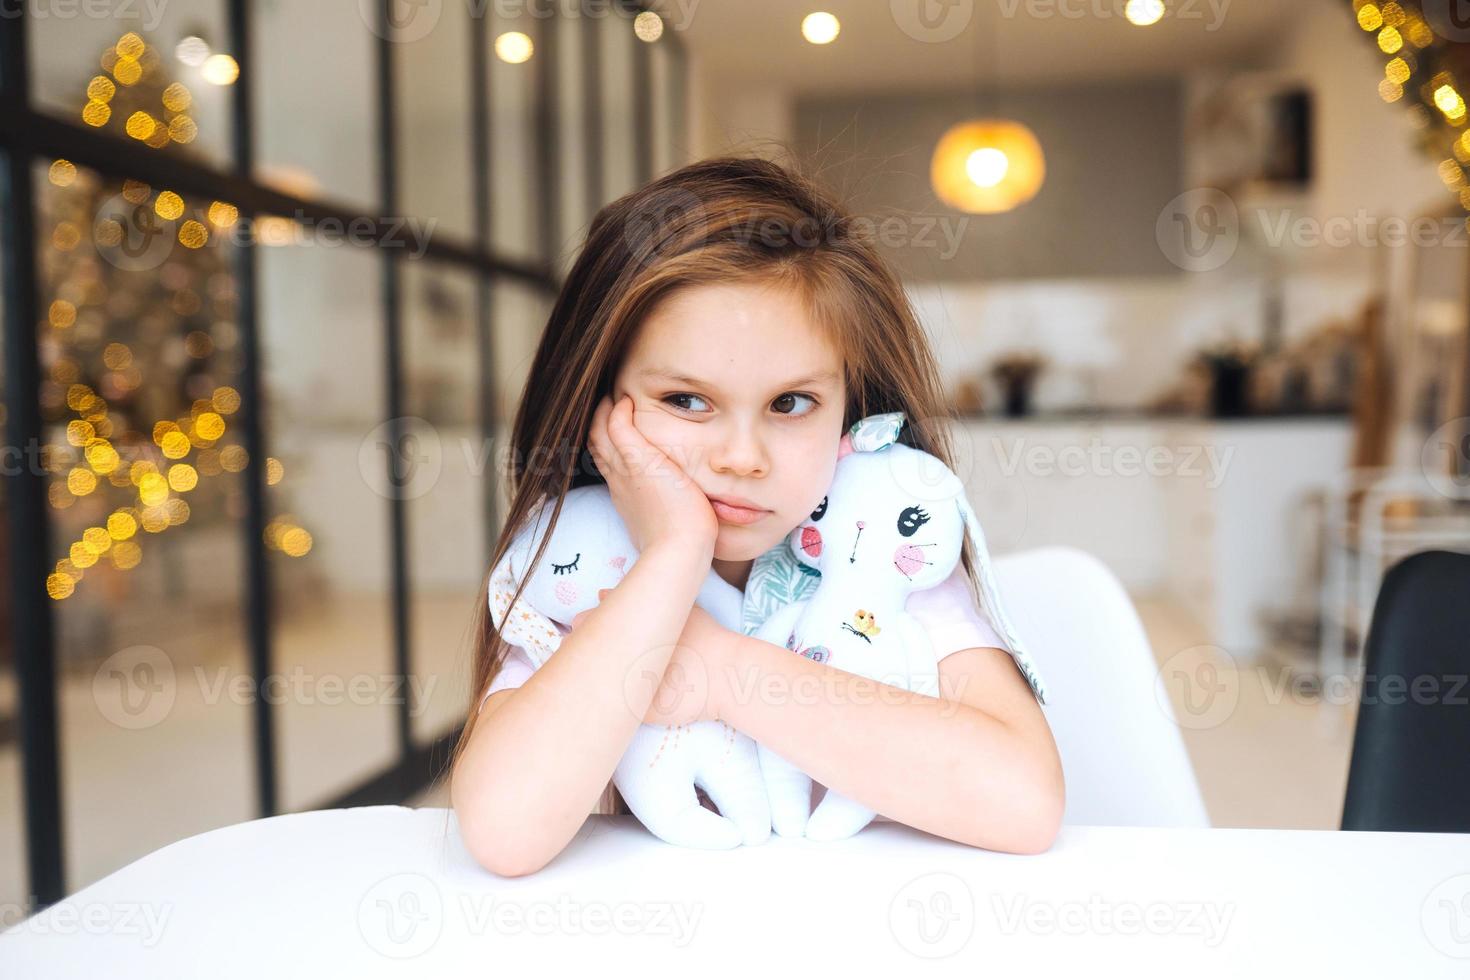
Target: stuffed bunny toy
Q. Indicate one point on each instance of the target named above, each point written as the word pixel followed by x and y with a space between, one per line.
pixel 589 553
pixel 892 523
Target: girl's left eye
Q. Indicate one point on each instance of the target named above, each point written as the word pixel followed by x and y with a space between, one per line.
pixel 787 398
pixel 682 395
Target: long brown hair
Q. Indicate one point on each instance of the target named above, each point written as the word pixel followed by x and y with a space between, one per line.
pixel 719 220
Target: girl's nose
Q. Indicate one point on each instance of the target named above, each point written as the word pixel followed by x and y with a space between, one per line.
pixel 741 452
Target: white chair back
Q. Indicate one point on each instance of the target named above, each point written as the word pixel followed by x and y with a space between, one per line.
pixel 1122 751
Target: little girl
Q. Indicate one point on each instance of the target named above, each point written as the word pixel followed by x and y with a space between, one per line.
pixel 720 330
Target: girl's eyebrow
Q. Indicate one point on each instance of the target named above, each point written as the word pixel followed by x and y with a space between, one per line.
pixel 820 378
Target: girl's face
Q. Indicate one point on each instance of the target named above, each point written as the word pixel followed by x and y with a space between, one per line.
pixel 744 392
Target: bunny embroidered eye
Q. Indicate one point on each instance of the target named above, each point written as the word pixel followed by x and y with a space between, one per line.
pixel 821 509
pixel 568 568
pixel 911 519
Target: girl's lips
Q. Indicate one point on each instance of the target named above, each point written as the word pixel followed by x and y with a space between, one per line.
pixel 732 514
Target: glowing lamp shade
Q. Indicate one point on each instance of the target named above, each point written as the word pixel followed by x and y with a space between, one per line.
pixel 987 166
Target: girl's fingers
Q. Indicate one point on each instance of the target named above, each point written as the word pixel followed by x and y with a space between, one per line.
pixel 597 439
pixel 635 452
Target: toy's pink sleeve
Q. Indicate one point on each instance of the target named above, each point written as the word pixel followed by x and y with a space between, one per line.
pixel 513 673
pixel 949 615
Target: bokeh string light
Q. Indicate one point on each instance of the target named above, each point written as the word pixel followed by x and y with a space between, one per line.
pixel 1424 70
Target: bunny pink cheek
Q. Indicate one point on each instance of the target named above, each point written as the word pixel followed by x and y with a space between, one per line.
pixel 909 559
pixel 811 541
pixel 566 593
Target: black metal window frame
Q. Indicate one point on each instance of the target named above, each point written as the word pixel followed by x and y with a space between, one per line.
pixel 28 135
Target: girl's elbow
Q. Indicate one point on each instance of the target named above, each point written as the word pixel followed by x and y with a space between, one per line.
pixel 500 852
pixel 1045 816
pixel 500 849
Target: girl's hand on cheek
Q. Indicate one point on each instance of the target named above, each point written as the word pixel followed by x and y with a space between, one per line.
pixel 660 504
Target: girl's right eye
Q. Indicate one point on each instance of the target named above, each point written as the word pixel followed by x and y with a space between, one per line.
pixel 673 399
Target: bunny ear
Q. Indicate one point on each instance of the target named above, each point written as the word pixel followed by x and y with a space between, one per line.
pixel 523 626
pixel 874 432
pixel 994 608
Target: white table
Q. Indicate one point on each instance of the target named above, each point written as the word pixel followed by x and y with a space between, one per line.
pixel 385 891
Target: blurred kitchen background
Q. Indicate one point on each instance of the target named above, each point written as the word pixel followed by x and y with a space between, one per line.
pixel 273 273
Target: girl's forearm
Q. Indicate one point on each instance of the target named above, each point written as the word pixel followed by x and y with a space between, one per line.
pixel 535 767
pixel 939 765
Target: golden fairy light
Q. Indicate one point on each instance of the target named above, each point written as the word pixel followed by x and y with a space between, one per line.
pixel 192 234
pixel 222 215
pixel 61 314
pixel 220 69
pixel 80 482
pixel 122 524
pixel 648 26
pixel 182 477
pixel 169 206
pixel 130 45
pixel 820 27
pixel 96 113
pixel 514 47
pixel 176 98
pixel 225 400
pixel 1142 13
pixel 66 237
pixel 62 173
pixel 182 129
pixel 1370 18
pixel 192 51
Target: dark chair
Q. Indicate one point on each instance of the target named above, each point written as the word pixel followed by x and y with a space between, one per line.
pixel 1410 768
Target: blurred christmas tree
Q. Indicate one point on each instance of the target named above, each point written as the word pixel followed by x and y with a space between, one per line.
pixel 140 348
pixel 1427 52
